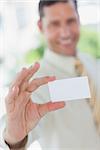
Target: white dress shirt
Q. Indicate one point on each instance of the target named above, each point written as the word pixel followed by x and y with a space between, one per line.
pixel 70 128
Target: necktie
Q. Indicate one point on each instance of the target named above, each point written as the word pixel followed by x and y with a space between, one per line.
pixel 94 102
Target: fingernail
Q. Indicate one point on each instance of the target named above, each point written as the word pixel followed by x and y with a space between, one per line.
pixel 52 78
pixel 48 77
pixel 37 64
pixel 24 69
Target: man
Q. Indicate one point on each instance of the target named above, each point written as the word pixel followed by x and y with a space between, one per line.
pixel 73 126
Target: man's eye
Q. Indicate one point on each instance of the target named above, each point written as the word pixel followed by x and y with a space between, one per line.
pixel 71 21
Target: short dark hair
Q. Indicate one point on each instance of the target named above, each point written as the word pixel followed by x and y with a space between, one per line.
pixel 44 3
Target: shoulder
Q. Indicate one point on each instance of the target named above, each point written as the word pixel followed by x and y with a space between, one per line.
pixel 89 62
pixel 87 59
pixel 91 66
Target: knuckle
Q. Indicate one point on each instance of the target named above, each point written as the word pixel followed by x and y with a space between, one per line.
pixel 36 83
pixel 27 95
pixel 24 95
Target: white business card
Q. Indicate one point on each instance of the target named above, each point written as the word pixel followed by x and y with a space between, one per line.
pixel 69 89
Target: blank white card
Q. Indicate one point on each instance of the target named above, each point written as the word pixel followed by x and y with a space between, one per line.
pixel 69 89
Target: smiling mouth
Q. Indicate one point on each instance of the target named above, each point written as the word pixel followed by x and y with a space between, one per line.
pixel 66 42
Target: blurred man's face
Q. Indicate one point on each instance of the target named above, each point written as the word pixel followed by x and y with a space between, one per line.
pixel 61 28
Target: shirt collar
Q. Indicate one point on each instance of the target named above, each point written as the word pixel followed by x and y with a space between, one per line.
pixel 65 63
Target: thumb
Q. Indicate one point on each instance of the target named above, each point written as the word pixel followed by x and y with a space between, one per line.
pixel 50 106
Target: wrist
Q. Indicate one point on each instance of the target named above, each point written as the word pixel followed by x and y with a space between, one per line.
pixel 9 138
pixel 18 145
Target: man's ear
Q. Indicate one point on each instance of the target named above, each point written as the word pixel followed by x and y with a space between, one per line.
pixel 40 26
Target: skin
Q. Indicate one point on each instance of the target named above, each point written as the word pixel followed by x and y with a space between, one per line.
pixel 22 114
pixel 60 26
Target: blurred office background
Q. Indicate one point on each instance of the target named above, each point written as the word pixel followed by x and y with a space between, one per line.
pixel 21 44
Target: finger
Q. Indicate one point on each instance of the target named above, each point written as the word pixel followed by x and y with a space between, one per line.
pixel 22 100
pixel 34 84
pixel 25 74
pixel 45 108
pixel 12 95
pixel 33 69
pixel 24 86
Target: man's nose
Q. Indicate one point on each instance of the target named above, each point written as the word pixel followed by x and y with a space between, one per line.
pixel 65 32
